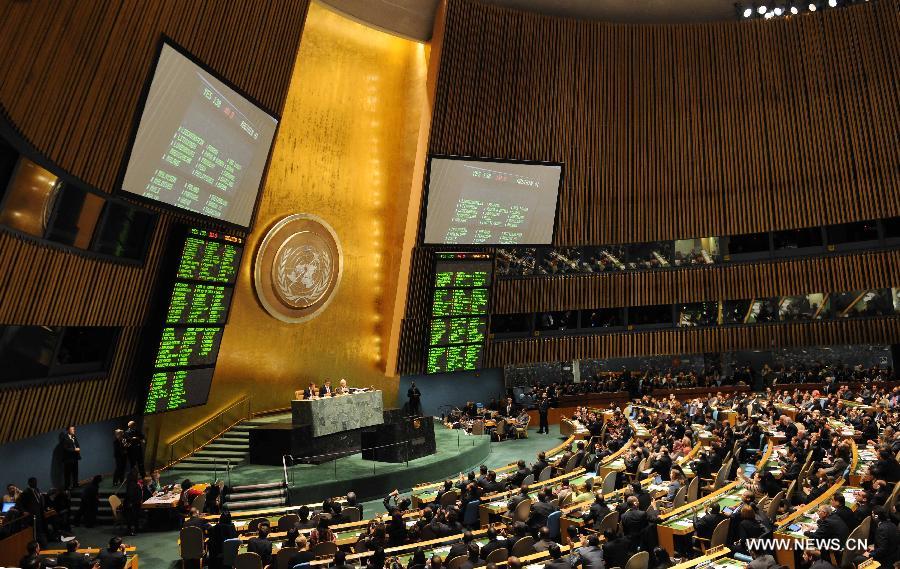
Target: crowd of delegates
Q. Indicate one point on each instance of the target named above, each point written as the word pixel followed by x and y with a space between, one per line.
pixel 645 382
pixel 113 556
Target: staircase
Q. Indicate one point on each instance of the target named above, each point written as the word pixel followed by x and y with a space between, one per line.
pixel 104 512
pixel 227 451
pixel 230 449
pixel 254 496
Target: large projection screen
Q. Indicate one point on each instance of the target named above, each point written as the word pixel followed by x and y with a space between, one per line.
pixel 487 202
pixel 200 145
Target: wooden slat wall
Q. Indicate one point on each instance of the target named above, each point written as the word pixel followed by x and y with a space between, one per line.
pixel 734 282
pixel 72 73
pixel 666 342
pixel 672 132
pixel 683 131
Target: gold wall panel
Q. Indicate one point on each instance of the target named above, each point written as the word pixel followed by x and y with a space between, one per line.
pixel 344 152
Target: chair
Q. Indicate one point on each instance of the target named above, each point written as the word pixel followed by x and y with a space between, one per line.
pixel 247 561
pixel 553 524
pixel 856 536
pixel 191 544
pixel 470 514
pixel 500 433
pixel 253 526
pixel 523 511
pixel 457 561
pixel 199 502
pixel 566 428
pixel 693 491
pixel 680 497
pixel 719 536
pixel 478 427
pixel 284 556
pixel 718 481
pixel 324 549
pixel 571 464
pixel 449 498
pixel 288 521
pixel 497 556
pixel 116 504
pixel 639 560
pixel 522 432
pixel 610 522
pixel 789 495
pixel 545 474
pixel 609 483
pixel 529 480
pixel 523 546
pixel 229 551
pixel 866 524
pixel 567 499
pixel 353 514
pixel 774 503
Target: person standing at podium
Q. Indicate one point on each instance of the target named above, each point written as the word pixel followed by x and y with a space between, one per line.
pixel 415 399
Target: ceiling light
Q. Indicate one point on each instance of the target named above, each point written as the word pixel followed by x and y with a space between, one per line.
pixel 748 12
pixel 832 3
pixel 762 9
pixel 769 15
pixel 794 10
pixel 812 7
pixel 778 11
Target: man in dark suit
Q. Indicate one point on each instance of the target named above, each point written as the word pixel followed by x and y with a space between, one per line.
pixel 522 472
pixel 544 543
pixel 556 559
pixel 113 557
pixel 415 399
pixel 71 559
pixel 71 454
pixel 706 524
pixel 597 512
pixel 136 440
pixel 461 548
pixel 495 541
pixel 829 526
pixel 196 520
pixel 510 409
pixel 311 391
pixel 662 464
pixel 32 500
pixel 539 465
pixel 261 545
pixel 540 510
pixel 616 550
pixel 635 521
pixel 491 485
pixel 543 414
pixel 590 555
pixel 326 390
pixel 886 549
pixel 839 504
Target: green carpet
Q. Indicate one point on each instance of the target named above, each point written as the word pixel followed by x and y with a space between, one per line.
pixel 159 550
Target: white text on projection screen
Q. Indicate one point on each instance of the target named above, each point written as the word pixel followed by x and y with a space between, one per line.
pixel 200 145
pixel 491 203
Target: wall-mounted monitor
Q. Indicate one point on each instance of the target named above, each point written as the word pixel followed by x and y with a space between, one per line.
pixel 200 145
pixel 482 201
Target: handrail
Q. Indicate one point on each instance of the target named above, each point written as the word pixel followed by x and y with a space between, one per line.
pixel 172 443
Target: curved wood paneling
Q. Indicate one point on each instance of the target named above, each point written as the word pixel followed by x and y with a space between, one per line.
pixel 71 77
pixel 665 342
pixel 724 282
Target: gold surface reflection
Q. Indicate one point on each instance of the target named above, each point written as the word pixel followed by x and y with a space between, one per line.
pixel 345 152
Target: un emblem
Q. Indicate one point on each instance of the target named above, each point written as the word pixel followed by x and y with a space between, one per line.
pixel 298 268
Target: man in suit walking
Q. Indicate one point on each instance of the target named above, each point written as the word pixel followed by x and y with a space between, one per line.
pixel 135 439
pixel 71 454
pixel 543 413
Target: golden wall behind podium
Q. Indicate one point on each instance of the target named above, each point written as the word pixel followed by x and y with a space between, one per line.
pixel 344 152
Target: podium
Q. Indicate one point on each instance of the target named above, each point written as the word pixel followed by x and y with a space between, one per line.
pixel 399 438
